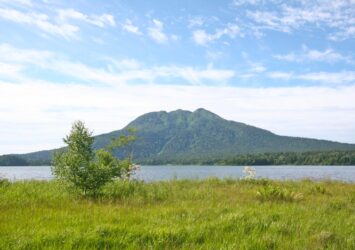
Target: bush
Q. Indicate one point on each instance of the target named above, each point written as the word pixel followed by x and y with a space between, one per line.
pixel 81 167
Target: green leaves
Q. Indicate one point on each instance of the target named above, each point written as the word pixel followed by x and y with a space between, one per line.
pixel 121 141
pixel 80 141
pixel 86 170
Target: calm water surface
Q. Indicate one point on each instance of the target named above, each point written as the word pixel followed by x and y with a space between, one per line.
pixel 154 173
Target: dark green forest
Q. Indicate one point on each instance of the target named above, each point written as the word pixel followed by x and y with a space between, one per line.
pixel 288 158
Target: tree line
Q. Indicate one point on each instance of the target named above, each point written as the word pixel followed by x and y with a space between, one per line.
pixel 287 158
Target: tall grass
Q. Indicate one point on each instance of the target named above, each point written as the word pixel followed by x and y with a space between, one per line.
pixel 275 193
pixel 187 214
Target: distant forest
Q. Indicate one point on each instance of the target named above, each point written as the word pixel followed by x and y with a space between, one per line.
pixel 15 160
pixel 304 158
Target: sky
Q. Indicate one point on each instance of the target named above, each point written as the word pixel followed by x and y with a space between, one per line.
pixel 285 66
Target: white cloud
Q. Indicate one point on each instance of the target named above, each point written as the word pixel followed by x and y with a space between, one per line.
pixel 10 71
pixel 25 3
pixel 156 31
pixel 197 21
pixel 66 14
pixel 269 20
pixel 127 71
pixel 195 76
pixel 13 61
pixel 103 20
pixel 99 20
pixel 247 2
pixel 329 77
pixel 337 16
pixel 326 56
pixel 41 21
pixel 280 75
pixel 119 71
pixel 342 77
pixel 84 72
pixel 345 33
pixel 257 68
pixel 254 67
pixel 214 55
pixel 124 64
pixel 10 54
pixel 130 27
pixel 174 37
pixel 201 37
pixel 231 30
pixel 60 25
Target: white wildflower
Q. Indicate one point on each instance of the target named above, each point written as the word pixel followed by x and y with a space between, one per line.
pixel 250 173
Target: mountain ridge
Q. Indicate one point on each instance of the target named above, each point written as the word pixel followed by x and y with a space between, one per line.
pixel 169 136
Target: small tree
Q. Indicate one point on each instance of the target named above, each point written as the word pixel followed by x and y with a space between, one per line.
pixel 83 168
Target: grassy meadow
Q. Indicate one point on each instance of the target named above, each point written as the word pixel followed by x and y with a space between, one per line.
pixel 186 214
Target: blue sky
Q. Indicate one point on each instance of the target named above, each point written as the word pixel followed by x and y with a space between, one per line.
pixel 286 66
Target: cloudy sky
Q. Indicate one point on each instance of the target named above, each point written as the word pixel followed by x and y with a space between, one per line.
pixel 286 66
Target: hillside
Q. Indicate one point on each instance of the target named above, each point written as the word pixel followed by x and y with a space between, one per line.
pixel 170 136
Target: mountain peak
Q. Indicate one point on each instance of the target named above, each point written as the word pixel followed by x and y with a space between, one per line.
pixel 205 113
pixel 202 110
pixel 200 134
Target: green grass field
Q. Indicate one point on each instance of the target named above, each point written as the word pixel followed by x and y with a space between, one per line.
pixel 209 214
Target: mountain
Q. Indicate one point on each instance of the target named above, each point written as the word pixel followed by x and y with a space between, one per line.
pixel 170 136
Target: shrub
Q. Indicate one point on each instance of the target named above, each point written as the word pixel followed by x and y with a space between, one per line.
pixel 81 167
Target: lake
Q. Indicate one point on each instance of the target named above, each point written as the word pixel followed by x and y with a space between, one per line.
pixel 155 173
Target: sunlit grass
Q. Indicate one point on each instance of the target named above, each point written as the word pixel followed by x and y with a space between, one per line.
pixel 188 214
